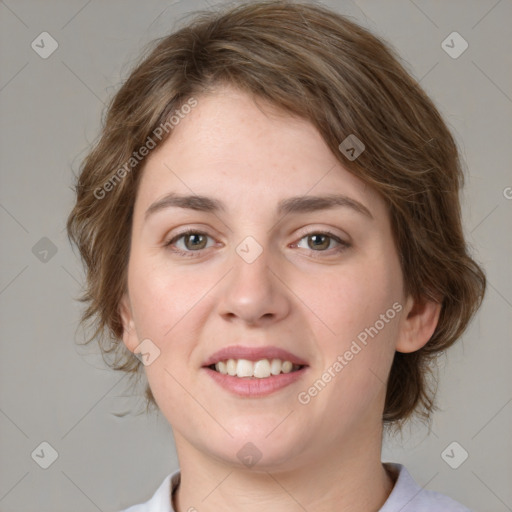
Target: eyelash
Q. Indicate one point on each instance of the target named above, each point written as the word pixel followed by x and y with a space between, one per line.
pixel 192 254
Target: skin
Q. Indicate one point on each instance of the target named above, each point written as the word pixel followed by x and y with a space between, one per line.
pixel 324 455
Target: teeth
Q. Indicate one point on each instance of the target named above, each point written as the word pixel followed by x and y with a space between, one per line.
pixel 244 368
pixel 275 366
pixel 287 367
pixel 230 367
pixel 261 369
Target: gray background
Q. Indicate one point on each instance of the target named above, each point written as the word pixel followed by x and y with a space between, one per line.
pixel 55 391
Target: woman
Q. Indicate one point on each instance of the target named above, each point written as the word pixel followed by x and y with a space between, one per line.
pixel 270 222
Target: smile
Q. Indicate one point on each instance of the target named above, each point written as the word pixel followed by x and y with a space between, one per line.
pixel 262 369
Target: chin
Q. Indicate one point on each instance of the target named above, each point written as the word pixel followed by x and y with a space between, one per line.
pixel 255 451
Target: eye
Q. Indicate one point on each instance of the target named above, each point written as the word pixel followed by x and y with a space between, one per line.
pixel 194 241
pixel 319 241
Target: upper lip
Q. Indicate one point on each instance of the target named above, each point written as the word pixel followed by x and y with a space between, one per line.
pixel 253 354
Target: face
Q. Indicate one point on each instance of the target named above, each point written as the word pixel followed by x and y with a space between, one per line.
pixel 322 282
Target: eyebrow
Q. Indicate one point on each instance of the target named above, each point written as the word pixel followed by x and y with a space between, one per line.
pixel 299 204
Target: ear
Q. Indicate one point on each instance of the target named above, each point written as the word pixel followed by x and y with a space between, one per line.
pixel 418 324
pixel 130 338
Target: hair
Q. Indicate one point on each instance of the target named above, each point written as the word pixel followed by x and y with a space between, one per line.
pixel 316 64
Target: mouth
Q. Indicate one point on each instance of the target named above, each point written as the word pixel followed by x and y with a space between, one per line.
pixel 260 369
pixel 254 362
pixel 253 372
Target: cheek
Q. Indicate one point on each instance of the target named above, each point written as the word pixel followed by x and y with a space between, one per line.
pixel 161 297
pixel 166 305
pixel 359 306
pixel 169 308
pixel 353 298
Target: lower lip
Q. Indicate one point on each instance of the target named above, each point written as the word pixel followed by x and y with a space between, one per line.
pixel 254 387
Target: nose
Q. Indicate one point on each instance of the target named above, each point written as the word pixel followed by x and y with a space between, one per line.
pixel 254 293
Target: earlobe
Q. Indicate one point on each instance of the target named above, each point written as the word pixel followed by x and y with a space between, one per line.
pixel 418 324
pixel 129 332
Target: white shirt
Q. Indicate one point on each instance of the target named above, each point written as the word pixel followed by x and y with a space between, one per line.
pixel 406 496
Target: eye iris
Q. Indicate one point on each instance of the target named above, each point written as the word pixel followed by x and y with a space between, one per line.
pixel 320 245
pixel 194 245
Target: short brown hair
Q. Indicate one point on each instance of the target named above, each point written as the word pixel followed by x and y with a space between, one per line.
pixel 316 64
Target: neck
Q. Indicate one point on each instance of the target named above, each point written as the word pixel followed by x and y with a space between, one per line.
pixel 349 478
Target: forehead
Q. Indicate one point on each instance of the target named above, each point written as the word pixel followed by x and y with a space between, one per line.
pixel 246 152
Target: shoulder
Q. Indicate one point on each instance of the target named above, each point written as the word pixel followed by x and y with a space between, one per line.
pixel 408 496
pixel 161 499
